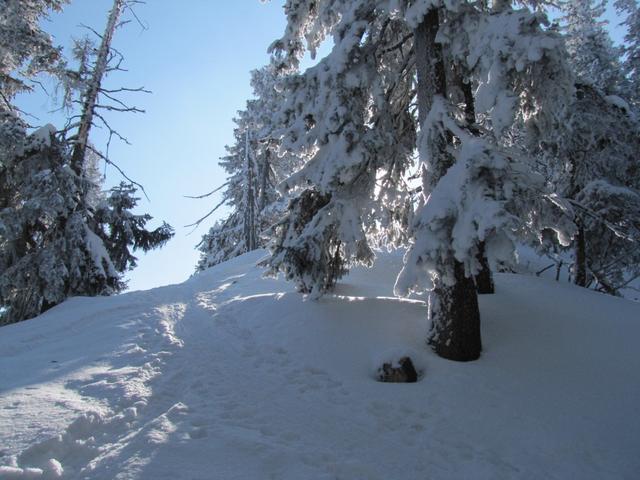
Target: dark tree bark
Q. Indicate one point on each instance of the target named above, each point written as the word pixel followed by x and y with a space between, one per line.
pixel 264 179
pixel 581 258
pixel 454 313
pixel 484 278
pixel 455 335
pixel 250 233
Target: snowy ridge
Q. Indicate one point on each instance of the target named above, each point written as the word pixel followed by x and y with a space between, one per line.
pixel 230 375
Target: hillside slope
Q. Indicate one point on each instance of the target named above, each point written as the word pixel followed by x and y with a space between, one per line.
pixel 232 376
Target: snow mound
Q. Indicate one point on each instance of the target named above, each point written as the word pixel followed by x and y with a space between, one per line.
pixel 231 375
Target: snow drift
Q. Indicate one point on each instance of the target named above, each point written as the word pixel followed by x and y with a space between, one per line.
pixel 233 376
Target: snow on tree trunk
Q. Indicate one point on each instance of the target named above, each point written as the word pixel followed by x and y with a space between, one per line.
pixel 93 89
pixel 455 319
pixel 264 179
pixel 453 309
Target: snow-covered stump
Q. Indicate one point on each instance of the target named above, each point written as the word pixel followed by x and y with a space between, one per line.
pixel 403 371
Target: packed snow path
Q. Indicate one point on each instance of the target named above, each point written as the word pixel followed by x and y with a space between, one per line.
pixel 232 376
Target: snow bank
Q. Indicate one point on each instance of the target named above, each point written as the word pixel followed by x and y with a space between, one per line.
pixel 230 375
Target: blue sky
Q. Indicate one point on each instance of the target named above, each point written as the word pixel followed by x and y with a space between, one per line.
pixel 195 56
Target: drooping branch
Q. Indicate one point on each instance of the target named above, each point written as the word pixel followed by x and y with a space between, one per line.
pixel 211 212
pixel 124 175
pixel 208 194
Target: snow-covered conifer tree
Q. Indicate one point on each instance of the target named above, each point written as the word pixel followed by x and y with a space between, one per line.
pixel 254 168
pixel 592 55
pixel 52 243
pixel 480 191
pixel 25 49
pixel 47 250
pixel 59 235
pixel 475 189
pixel 348 116
pixel 123 231
pixel 631 47
pixel 595 167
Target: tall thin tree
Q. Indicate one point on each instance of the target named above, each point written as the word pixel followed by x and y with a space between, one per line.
pixel 93 87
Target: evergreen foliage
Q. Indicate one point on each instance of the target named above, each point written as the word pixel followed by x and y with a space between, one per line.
pixel 60 235
pixel 348 118
pixel 631 47
pixel 592 55
pixel 25 49
pixel 595 167
pixel 123 232
pixel 254 169
pixel 54 245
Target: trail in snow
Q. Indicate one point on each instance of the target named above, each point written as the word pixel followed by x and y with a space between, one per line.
pixel 233 376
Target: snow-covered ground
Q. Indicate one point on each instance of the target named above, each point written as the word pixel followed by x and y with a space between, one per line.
pixel 232 376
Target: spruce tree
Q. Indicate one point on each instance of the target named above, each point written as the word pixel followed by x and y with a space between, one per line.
pixel 348 118
pixel 254 170
pixel 591 53
pixel 631 46
pixel 25 49
pixel 48 250
pixel 59 234
pixel 595 168
pixel 475 192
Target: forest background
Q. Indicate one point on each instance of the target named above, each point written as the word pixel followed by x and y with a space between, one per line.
pixel 196 58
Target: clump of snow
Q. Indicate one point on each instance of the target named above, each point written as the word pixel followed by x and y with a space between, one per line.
pixel 52 469
pixel 618 102
pixel 42 136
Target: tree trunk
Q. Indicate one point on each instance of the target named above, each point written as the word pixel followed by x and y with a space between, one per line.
pixel 581 258
pixel 484 278
pixel 250 214
pixel 455 318
pixel 93 89
pixel 264 179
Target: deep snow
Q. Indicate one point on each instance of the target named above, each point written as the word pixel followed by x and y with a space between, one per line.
pixel 232 376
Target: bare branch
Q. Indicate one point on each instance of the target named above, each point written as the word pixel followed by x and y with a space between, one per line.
pixel 125 89
pixel 91 30
pixel 211 212
pixel 107 160
pixel 208 194
pixel 39 83
pixel 594 215
pixel 128 6
pixel 112 132
pixel 111 108
pixel 123 23
pixel 399 44
pixel 126 108
pixel 13 108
